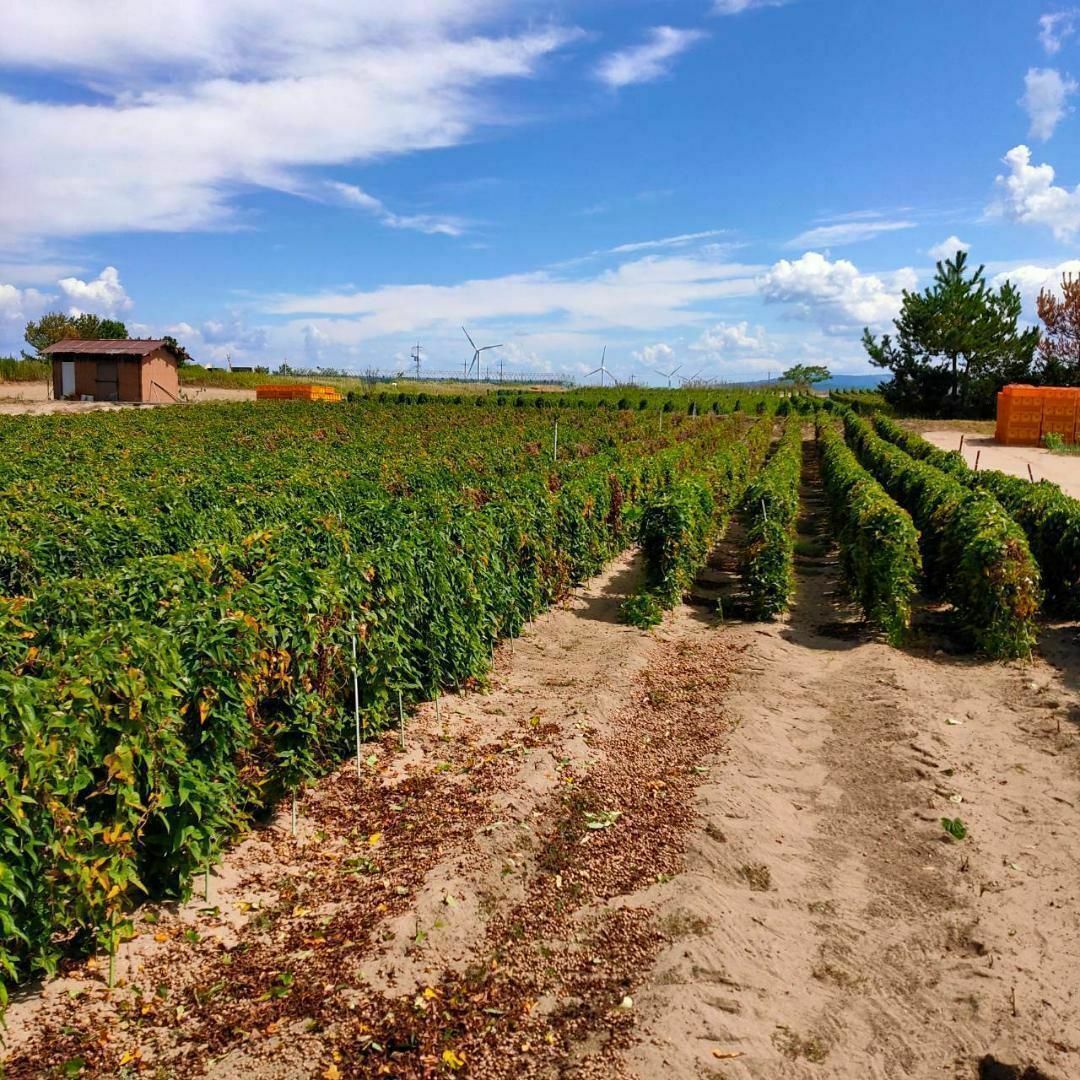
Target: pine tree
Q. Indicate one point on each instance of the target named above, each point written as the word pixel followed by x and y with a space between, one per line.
pixel 957 343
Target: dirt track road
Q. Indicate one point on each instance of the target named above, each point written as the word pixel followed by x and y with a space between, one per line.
pixel 1062 469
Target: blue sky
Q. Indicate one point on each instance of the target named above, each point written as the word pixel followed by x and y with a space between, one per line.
pixel 727 185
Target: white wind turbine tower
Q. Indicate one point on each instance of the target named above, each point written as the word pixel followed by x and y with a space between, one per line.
pixel 602 369
pixel 476 354
pixel 687 382
pixel 669 375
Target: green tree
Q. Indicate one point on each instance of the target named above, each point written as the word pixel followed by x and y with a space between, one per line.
pixel 182 355
pixel 803 376
pixel 957 343
pixel 55 326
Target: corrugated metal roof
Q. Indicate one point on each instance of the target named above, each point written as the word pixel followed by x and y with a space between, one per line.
pixel 107 346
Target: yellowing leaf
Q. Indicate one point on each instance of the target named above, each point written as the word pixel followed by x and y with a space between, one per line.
pixel 331 1072
pixel 374 838
pixel 452 1060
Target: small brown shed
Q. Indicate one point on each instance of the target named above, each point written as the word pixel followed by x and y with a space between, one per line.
pixel 132 369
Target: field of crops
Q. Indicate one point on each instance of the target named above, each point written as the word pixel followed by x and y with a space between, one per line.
pixel 204 608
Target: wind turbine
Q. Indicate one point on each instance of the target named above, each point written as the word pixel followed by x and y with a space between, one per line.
pixel 687 382
pixel 602 369
pixel 476 353
pixel 669 375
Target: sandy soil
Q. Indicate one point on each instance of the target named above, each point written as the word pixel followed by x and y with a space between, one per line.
pixel 1060 468
pixel 711 851
pixel 33 397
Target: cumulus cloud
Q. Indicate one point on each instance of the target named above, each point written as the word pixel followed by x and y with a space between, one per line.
pixel 725 338
pixel 836 294
pixel 656 356
pixel 1045 100
pixel 105 295
pixel 1056 27
pixel 948 248
pixel 351 195
pixel 20 305
pixel 1030 196
pixel 649 61
pixel 847 232
pixel 192 104
pixel 1031 280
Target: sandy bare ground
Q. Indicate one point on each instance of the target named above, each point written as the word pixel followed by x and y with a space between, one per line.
pixel 33 397
pixel 1060 468
pixel 712 851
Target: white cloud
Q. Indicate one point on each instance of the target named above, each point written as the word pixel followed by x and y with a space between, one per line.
pixel 1045 99
pixel 667 241
pixel 656 356
pixel 425 223
pixel 846 232
pixel 948 248
pixel 836 294
pixel 1030 196
pixel 194 103
pixel 644 63
pixel 105 295
pixel 1056 27
pixel 737 7
pixel 1031 280
pixel 725 338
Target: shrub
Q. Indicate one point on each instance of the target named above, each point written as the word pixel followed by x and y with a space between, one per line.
pixel 769 509
pixel 879 547
pixel 973 552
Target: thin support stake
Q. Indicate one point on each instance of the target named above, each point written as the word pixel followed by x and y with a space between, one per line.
pixel 293 815
pixel 764 511
pixel 1031 475
pixel 556 438
pixel 978 454
pixel 356 706
pixel 206 884
pixel 401 719
pixel 961 444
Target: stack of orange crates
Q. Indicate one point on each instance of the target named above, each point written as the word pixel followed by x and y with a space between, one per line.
pixel 1026 413
pixel 296 392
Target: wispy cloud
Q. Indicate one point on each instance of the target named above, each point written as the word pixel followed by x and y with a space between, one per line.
pixel 1045 100
pixel 1056 27
pixel 666 242
pixel 852 231
pixel 351 195
pixel 649 61
pixel 737 7
pixel 255 97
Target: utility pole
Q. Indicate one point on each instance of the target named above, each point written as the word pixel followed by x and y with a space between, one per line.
pixel 416 360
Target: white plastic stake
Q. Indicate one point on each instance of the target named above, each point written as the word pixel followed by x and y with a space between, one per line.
pixel 356 706
pixel 293 824
pixel 401 719
pixel 556 438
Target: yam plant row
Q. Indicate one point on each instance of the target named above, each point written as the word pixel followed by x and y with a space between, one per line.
pixel 184 592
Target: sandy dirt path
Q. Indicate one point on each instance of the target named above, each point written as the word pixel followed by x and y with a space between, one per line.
pixel 848 934
pixel 33 397
pixel 1062 469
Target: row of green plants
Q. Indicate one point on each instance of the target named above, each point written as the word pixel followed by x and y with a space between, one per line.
pixel 769 511
pixel 83 494
pixel 973 553
pixel 879 545
pixel 679 524
pixel 863 402
pixel 153 709
pixel 1050 518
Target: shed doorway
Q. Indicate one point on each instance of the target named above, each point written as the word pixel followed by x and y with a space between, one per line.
pixel 107 388
pixel 67 379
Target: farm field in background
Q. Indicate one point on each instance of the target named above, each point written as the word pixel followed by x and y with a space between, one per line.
pixel 300 780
